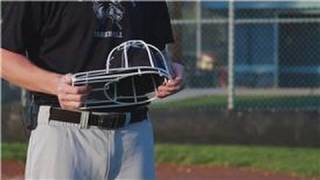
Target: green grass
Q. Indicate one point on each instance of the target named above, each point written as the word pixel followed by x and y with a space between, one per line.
pixel 208 101
pixel 300 161
pixel 244 102
pixel 13 151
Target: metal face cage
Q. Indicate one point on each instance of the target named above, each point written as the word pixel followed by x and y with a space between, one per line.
pixel 134 70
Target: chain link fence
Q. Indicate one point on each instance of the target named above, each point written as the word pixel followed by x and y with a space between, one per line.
pixel 274 47
pixel 249 55
pixel 237 55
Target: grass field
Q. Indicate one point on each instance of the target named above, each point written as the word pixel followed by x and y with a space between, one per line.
pixel 300 161
pixel 13 151
pixel 245 102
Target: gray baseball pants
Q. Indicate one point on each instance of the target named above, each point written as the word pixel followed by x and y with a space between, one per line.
pixel 59 150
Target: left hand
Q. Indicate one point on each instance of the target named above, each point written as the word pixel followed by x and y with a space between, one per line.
pixel 174 85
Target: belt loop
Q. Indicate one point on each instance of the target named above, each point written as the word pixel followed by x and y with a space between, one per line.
pixel 84 119
pixel 48 115
pixel 128 118
pixel 43 116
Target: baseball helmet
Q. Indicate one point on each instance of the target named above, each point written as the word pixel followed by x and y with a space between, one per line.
pixel 134 70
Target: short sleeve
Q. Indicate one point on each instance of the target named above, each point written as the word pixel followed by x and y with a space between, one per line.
pixel 20 25
pixel 161 26
pixel 12 26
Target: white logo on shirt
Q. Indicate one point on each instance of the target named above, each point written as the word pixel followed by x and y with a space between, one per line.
pixel 113 11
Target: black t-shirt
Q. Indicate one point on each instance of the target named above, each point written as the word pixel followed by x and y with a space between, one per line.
pixel 70 37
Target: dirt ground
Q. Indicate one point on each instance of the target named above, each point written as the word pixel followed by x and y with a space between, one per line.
pixel 171 171
pixel 15 170
pixel 12 170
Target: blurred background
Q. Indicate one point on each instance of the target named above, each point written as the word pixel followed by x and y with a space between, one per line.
pixel 259 49
pixel 252 78
pixel 253 62
pixel 252 73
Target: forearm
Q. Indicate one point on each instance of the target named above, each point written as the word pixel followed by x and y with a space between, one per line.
pixel 18 70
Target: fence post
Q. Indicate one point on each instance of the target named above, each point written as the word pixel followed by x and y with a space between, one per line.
pixel 231 24
pixel 23 97
pixel 199 30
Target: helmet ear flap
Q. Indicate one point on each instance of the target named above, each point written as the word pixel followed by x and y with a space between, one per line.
pixel 134 70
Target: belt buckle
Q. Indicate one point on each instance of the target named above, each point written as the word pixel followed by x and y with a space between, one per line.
pixel 104 122
pixel 112 121
pixel 109 121
pixel 100 121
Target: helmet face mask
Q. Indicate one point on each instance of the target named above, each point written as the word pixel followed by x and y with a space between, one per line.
pixel 134 70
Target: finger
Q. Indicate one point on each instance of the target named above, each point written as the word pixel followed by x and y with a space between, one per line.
pixel 67 89
pixel 162 95
pixel 164 91
pixel 168 88
pixel 74 97
pixel 168 92
pixel 71 105
pixel 67 79
pixel 174 82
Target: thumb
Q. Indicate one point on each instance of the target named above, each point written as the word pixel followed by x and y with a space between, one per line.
pixel 67 79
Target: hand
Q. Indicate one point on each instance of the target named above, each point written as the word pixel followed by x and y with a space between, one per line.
pixel 174 85
pixel 71 97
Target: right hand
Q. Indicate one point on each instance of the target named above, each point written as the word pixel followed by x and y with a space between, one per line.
pixel 71 97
